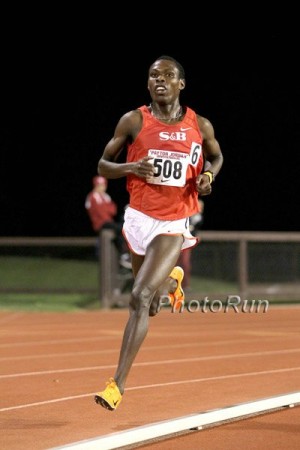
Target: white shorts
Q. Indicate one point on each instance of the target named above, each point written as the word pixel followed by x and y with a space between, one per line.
pixel 139 230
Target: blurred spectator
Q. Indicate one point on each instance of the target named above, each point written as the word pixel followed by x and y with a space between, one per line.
pixel 102 211
pixel 196 222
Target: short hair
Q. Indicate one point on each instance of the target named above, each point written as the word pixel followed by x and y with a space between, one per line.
pixel 177 64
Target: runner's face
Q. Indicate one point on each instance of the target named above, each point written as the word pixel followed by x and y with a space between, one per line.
pixel 164 83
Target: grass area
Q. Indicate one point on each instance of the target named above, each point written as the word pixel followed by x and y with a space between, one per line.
pixel 73 275
pixel 17 273
pixel 66 302
pixel 47 302
pixel 47 272
pixel 209 285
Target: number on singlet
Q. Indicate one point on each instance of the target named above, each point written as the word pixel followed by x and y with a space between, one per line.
pixel 195 154
pixel 168 168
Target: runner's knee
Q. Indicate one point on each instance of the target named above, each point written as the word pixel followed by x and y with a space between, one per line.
pixel 141 299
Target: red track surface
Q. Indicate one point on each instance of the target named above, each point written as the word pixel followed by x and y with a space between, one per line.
pixel 52 364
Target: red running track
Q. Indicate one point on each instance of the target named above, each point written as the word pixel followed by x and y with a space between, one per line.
pixel 52 364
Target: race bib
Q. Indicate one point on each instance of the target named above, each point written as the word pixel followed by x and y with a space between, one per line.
pixel 170 167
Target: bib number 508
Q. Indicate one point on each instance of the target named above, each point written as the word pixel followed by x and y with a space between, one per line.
pixel 167 168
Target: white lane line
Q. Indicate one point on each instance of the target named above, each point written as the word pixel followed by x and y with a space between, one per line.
pixel 116 350
pixel 150 386
pixel 59 341
pixel 157 362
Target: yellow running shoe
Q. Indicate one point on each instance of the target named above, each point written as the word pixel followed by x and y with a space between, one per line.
pixel 177 297
pixel 111 397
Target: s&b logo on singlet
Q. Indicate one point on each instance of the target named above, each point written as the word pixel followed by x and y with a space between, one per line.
pixel 175 136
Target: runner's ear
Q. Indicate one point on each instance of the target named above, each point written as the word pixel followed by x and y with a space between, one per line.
pixel 181 84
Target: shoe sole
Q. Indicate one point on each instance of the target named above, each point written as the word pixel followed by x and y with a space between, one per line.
pixel 103 403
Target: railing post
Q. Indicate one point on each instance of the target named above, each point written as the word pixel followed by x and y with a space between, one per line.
pixel 243 268
pixel 108 268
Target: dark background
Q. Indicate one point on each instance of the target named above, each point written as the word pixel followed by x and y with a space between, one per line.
pixel 62 99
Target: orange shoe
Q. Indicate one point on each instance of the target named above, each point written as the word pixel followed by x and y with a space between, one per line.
pixel 177 297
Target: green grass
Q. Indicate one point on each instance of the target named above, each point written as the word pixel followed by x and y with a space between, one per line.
pixel 47 273
pixel 47 302
pixel 209 285
pixel 73 284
